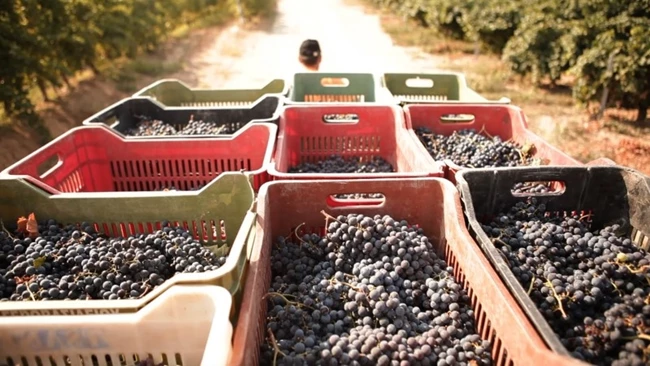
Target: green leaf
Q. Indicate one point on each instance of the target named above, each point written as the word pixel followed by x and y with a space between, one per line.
pixel 39 261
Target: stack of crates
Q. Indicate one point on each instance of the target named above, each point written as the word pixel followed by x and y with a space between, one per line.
pixel 111 183
pixel 239 168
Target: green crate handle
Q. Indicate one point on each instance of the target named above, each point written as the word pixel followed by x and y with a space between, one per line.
pixel 306 84
pixel 446 87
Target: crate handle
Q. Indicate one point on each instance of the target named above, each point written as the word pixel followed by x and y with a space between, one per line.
pixel 419 83
pixel 341 118
pixel 335 82
pixel 457 118
pixel 109 117
pixel 556 188
pixel 49 165
pixel 338 202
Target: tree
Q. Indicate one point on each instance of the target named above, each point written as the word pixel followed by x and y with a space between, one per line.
pixel 622 33
pixel 551 34
pixel 492 22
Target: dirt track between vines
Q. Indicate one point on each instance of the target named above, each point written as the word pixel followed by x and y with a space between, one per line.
pixel 241 56
pixel 351 39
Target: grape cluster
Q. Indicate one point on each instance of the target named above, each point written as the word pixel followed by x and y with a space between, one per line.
pixel 592 286
pixel 531 187
pixel 70 263
pixel 371 291
pixel 206 128
pixel 339 164
pixel 152 128
pixel 160 128
pixel 468 148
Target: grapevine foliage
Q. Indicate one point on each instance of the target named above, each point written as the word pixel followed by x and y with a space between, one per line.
pixel 548 38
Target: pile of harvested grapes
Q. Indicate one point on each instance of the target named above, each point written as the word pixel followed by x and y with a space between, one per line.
pixel 592 286
pixel 58 262
pixel 339 164
pixel 371 291
pixel 160 128
pixel 467 148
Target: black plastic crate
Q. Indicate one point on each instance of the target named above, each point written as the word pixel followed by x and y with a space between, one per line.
pixel 127 113
pixel 608 194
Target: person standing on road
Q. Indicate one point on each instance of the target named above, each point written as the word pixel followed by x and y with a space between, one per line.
pixel 310 55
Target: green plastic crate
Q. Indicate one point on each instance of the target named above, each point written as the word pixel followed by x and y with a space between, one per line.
pixel 227 200
pixel 174 93
pixel 408 88
pixel 313 88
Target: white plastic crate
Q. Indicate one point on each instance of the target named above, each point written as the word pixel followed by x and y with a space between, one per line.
pixel 186 325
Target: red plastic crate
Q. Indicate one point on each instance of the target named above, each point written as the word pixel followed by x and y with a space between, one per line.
pixel 306 135
pixel 505 121
pixel 97 159
pixel 283 206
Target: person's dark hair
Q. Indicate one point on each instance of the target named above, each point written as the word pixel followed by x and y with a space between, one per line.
pixel 310 52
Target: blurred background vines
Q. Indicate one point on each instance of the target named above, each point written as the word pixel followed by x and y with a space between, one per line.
pixel 601 45
pixel 44 44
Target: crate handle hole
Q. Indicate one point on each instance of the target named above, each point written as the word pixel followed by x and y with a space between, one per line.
pixel 419 83
pixel 538 188
pixel 355 199
pixel 457 118
pixel 341 118
pixel 335 82
pixel 50 164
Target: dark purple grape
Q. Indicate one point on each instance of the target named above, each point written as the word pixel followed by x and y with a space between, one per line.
pixel 367 300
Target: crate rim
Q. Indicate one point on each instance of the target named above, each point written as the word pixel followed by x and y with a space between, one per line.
pixel 285 87
pixel 93 119
pixel 217 295
pixel 436 168
pixel 502 269
pixel 455 168
pixel 268 155
pixel 128 306
pixel 239 338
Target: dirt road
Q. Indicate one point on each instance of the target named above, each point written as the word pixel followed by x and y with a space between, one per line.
pixel 351 39
pixel 243 56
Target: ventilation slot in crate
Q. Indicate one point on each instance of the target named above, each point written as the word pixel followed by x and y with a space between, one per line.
pixel 329 98
pixel 318 148
pixel 212 231
pixel 217 104
pixel 483 326
pixel 423 98
pixel 72 183
pixel 158 175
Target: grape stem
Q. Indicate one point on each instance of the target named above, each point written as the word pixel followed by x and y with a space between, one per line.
pixel 276 349
pixel 2 224
pixel 346 284
pixel 284 297
pixel 555 295
pixel 530 288
pixel 31 294
pixel 295 232
pixel 585 216
pixel 484 131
